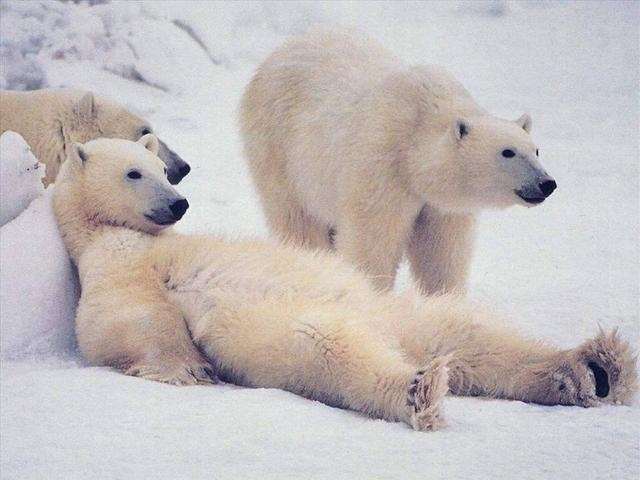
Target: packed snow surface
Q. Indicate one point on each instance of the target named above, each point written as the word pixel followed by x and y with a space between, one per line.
pixel 557 271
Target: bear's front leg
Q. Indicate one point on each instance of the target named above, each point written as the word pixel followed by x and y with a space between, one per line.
pixel 440 250
pixel 134 328
pixel 372 234
pixel 165 351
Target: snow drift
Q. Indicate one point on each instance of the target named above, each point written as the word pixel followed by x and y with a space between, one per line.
pixel 39 291
pixel 20 176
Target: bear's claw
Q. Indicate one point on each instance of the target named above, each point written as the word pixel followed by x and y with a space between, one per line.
pixel 175 373
pixel 425 395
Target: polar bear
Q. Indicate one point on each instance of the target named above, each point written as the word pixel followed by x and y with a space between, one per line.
pixel 349 147
pixel 182 309
pixel 20 176
pixel 50 119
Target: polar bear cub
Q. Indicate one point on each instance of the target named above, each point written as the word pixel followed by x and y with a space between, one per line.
pixel 181 309
pixel 344 140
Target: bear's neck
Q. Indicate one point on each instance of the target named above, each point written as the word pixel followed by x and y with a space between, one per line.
pixel 76 228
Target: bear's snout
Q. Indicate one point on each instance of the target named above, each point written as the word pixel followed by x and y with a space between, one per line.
pixel 177 168
pixel 547 187
pixel 178 207
pixel 537 192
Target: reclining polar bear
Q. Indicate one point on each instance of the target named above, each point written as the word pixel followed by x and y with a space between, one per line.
pixel 274 316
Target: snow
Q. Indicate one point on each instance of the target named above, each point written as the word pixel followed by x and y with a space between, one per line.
pixel 557 270
pixel 39 287
pixel 20 176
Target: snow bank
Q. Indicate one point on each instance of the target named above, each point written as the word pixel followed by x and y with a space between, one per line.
pixel 38 287
pixel 20 176
pixel 122 38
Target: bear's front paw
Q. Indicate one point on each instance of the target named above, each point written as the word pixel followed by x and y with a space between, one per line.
pixel 175 372
pixel 611 366
pixel 425 395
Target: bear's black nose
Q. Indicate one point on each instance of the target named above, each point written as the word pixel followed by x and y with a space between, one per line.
pixel 178 208
pixel 547 187
pixel 184 170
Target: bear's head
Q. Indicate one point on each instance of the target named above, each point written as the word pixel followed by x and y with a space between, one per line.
pixel 98 117
pixel 121 183
pixel 482 162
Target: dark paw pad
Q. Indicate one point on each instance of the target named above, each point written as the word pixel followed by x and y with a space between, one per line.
pixel 601 378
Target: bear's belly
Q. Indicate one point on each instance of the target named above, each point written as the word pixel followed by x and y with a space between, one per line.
pixel 237 275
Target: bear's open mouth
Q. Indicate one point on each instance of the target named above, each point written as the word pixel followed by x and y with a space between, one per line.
pixel 532 200
pixel 602 379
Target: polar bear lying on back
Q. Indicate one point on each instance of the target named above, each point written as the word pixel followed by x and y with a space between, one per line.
pixel 345 140
pixel 274 316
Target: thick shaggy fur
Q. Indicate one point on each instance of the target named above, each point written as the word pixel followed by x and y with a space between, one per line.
pixel 50 120
pixel 183 309
pixel 345 140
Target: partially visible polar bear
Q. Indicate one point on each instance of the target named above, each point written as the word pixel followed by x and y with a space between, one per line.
pixel 344 139
pixel 50 120
pixel 171 307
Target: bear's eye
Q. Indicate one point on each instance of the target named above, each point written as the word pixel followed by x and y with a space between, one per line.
pixel 134 174
pixel 145 131
pixel 537 152
pixel 508 153
pixel 165 170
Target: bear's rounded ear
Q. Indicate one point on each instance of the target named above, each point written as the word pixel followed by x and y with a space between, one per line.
pixel 525 122
pixel 86 106
pixel 150 142
pixel 461 128
pixel 76 153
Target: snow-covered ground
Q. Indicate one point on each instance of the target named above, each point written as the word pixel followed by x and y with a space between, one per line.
pixel 557 270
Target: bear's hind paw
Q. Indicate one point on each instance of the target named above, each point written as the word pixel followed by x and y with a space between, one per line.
pixel 611 365
pixel 426 393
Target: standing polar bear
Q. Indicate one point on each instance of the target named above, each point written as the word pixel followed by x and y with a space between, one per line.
pixel 342 138
pixel 181 309
pixel 50 120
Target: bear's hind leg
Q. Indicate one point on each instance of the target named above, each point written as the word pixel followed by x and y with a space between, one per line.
pixel 286 217
pixel 493 361
pixel 318 352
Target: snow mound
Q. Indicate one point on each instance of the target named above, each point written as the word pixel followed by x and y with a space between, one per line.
pixel 20 176
pixel 38 285
pixel 122 38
